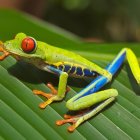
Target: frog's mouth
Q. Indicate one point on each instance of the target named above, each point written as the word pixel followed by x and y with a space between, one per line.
pixel 5 53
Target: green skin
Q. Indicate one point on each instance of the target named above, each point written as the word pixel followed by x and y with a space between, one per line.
pixel 46 55
pixel 50 55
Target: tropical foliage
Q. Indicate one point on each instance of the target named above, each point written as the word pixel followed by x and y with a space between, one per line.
pixel 20 116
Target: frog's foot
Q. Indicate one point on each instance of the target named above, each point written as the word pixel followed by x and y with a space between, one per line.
pixel 5 53
pixel 75 120
pixel 52 96
pixel 83 116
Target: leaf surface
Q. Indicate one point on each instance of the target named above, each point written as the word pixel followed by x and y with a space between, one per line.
pixel 20 116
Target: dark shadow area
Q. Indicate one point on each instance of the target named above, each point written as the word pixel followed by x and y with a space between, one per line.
pixel 29 73
pixel 135 86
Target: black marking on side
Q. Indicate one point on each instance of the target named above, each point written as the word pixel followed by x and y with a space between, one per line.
pixel 94 74
pixel 61 67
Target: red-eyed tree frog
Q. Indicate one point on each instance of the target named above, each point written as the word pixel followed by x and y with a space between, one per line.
pixel 65 63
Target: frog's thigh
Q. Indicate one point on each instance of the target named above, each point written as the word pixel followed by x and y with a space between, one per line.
pixel 89 100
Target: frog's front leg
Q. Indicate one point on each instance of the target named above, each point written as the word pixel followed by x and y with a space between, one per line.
pixel 5 53
pixel 55 95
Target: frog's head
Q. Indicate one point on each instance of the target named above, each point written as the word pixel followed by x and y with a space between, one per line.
pixel 25 47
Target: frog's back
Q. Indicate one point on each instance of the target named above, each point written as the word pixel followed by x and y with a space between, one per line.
pixel 54 55
pixel 67 61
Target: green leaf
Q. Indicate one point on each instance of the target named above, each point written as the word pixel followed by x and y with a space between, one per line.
pixel 20 116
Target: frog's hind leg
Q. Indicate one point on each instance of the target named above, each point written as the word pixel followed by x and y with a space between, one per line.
pixel 77 120
pixel 89 95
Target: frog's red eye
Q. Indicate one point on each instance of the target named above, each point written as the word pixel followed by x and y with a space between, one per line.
pixel 28 44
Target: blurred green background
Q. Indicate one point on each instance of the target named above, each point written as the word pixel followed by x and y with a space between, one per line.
pixel 93 20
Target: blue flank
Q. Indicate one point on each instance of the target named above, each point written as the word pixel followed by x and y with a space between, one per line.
pixel 87 72
pixel 79 71
pixel 66 68
pixel 72 69
pixel 100 81
pixel 55 70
